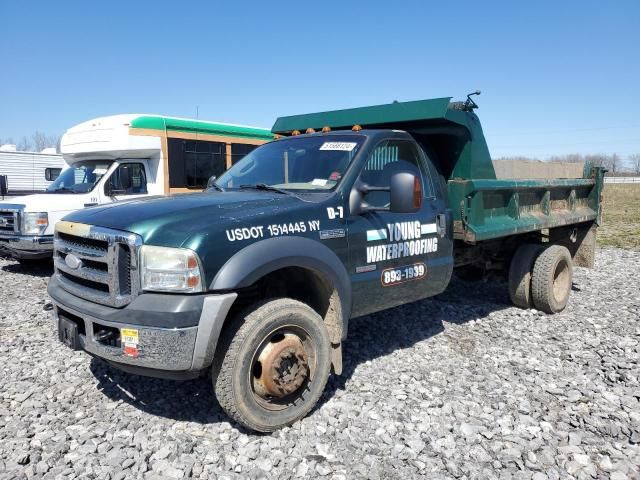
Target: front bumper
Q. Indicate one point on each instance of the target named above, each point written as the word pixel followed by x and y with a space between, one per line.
pixel 27 246
pixel 175 335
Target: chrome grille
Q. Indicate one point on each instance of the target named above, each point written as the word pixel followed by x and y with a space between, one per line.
pixel 107 272
pixel 10 220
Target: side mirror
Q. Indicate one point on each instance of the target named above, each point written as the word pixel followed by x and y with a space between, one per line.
pixel 357 206
pixel 4 187
pixel 211 182
pixel 50 174
pixel 125 178
pixel 406 193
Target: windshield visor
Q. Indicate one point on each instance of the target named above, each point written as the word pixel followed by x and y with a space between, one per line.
pixel 81 177
pixel 315 163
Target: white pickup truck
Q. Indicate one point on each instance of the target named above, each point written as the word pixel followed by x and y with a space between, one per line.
pixel 122 157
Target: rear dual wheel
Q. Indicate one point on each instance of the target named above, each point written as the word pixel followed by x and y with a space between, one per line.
pixel 552 279
pixel 273 364
pixel 541 277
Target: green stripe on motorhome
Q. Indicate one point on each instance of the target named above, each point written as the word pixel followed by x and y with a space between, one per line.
pixel 197 126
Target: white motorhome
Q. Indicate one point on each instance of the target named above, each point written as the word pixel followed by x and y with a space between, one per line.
pixel 122 157
pixel 28 172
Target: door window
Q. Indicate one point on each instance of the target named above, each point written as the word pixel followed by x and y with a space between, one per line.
pixel 388 158
pixel 138 180
pixel 50 174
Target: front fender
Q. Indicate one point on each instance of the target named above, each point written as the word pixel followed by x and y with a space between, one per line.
pixel 261 258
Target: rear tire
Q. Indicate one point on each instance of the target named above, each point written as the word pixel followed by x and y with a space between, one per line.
pixel 552 279
pixel 272 365
pixel 520 274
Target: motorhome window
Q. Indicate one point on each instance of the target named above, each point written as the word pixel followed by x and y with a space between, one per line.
pixel 239 150
pixel 50 174
pixel 138 180
pixel 192 162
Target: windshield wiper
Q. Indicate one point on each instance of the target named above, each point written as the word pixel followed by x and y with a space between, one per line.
pixel 264 186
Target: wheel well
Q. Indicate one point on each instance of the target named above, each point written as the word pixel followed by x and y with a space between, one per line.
pixel 579 238
pixel 303 284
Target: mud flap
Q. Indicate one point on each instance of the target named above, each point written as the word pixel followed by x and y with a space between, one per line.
pixel 336 358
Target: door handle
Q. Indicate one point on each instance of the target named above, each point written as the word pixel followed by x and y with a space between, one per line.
pixel 441 224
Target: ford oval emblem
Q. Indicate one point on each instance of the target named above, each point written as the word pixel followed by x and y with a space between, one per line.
pixel 72 261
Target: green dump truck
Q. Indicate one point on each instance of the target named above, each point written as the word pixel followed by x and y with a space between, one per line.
pixel 348 212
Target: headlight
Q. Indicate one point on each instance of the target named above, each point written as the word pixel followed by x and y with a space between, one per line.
pixel 34 223
pixel 170 269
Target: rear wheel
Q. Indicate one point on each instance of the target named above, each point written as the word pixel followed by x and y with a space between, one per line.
pixel 273 364
pixel 552 279
pixel 520 274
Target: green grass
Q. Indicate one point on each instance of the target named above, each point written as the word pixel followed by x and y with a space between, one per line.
pixel 621 216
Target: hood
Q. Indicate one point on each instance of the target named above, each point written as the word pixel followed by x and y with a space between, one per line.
pixel 171 220
pixel 49 202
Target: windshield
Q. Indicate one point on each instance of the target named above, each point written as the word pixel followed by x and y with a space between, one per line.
pixel 81 177
pixel 308 163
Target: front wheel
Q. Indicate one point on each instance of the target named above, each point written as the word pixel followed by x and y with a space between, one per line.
pixel 272 365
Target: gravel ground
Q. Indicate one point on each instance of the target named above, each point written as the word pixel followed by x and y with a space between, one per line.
pixel 460 386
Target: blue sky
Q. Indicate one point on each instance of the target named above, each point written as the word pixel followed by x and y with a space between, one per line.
pixel 556 77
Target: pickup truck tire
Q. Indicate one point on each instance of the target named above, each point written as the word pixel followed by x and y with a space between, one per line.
pixel 272 364
pixel 520 274
pixel 552 279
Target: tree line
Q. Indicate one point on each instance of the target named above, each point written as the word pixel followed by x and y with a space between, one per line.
pixel 614 163
pixel 37 142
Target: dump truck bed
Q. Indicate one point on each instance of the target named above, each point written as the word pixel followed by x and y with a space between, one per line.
pixel 489 209
pixel 483 207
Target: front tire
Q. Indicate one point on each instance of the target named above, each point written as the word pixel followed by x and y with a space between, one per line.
pixel 272 365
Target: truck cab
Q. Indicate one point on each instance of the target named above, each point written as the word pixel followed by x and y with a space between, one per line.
pixel 253 282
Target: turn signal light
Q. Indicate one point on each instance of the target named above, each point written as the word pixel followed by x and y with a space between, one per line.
pixel 417 193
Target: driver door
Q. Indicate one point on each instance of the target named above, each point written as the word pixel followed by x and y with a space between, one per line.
pixel 396 258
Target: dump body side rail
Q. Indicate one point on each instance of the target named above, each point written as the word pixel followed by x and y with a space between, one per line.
pixel 490 209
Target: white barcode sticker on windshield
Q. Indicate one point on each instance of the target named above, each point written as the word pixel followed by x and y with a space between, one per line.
pixel 339 146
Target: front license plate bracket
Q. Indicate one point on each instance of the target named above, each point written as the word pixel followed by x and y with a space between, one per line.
pixel 68 333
